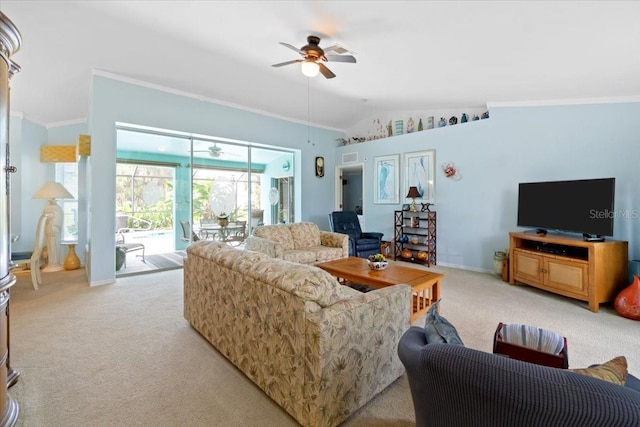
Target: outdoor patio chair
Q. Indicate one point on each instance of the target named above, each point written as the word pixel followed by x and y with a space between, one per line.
pixel 128 247
pixel 186 231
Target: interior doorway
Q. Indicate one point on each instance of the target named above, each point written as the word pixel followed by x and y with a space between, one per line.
pixel 350 190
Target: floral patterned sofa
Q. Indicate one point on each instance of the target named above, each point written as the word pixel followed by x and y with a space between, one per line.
pixel 320 350
pixel 301 242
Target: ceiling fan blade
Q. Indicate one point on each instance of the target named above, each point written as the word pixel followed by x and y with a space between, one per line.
pixel 341 58
pixel 287 63
pixel 291 47
pixel 325 71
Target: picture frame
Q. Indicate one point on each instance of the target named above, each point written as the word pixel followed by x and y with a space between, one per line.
pixel 386 178
pixel 419 172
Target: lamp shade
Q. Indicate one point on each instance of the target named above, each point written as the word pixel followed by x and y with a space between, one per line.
pixel 53 190
pixel 413 193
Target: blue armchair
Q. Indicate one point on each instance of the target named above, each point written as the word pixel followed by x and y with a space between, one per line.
pixel 360 244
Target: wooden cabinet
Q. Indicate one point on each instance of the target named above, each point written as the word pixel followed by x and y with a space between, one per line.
pixel 589 271
pixel 10 41
pixel 415 232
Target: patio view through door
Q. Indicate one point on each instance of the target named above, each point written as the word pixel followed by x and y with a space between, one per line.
pixel 219 189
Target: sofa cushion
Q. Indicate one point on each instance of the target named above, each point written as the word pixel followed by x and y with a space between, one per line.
pixel 324 253
pixel 532 337
pixel 278 233
pixel 438 329
pixel 614 371
pixel 307 282
pixel 305 235
pixel 302 256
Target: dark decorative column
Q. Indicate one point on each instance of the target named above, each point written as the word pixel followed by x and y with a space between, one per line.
pixel 10 41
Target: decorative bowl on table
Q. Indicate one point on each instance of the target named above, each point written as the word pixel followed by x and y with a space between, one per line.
pixel 378 265
pixel 377 262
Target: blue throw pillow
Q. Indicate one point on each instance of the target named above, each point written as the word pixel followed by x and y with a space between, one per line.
pixel 438 329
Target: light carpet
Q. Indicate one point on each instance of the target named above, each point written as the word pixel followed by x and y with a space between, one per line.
pixel 123 354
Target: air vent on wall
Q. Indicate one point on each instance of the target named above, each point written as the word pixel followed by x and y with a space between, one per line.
pixel 349 157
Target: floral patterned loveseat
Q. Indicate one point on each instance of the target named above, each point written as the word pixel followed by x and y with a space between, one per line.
pixel 301 242
pixel 320 350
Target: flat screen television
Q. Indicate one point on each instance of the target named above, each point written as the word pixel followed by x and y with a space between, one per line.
pixel 582 206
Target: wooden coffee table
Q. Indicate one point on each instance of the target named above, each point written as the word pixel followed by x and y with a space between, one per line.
pixel 425 285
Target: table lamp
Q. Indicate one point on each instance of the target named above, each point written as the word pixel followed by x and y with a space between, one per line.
pixel 413 193
pixel 53 222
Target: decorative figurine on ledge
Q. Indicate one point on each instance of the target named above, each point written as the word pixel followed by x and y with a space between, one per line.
pixel 410 125
pixel 453 120
pixel 442 123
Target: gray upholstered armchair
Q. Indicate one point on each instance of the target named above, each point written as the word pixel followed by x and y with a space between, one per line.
pixel 452 386
pixel 360 244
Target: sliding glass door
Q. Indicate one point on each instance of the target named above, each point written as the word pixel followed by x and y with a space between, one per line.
pixel 170 179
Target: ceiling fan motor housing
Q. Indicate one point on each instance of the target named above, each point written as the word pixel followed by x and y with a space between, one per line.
pixel 312 50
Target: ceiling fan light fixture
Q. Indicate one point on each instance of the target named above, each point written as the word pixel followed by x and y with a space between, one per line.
pixel 310 68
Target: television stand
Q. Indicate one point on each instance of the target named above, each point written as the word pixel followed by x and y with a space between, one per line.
pixel 592 271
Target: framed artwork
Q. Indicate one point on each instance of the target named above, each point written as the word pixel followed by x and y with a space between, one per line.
pixel 419 167
pixel 319 167
pixel 386 178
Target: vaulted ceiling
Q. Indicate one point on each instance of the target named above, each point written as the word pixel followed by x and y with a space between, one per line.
pixel 411 55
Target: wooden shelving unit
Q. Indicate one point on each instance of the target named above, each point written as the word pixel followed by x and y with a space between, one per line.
pixel 415 225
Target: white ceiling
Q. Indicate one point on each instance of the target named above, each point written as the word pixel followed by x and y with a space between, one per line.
pixel 412 55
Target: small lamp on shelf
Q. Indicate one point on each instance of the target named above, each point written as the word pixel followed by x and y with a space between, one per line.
pixel 413 193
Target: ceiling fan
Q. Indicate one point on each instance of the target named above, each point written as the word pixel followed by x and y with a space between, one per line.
pixel 213 150
pixel 313 57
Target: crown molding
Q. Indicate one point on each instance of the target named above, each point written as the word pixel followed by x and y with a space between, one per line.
pixel 576 101
pixel 67 123
pixel 117 77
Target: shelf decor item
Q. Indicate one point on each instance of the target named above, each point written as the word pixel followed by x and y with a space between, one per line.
pixel 399 127
pixel 442 123
pixel 412 194
pixel 410 125
pixel 627 303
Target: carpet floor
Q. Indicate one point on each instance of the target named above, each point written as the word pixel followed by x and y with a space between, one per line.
pixel 123 354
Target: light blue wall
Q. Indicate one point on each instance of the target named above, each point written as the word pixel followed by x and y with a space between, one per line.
pixel 25 139
pixel 65 134
pixel 517 144
pixel 115 101
pixel 475 214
